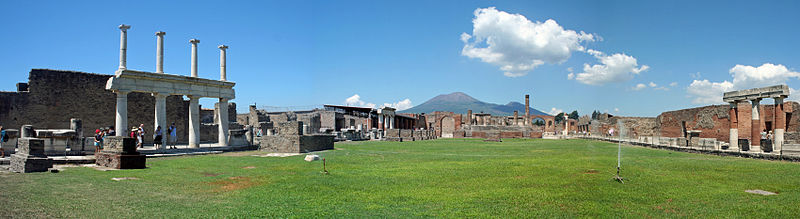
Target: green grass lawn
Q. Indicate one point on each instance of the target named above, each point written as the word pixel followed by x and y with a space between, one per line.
pixel 438 178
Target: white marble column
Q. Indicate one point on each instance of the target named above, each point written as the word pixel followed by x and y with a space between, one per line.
pixel 161 117
pixel 566 124
pixel 391 122
pixel 122 113
pixel 123 46
pixel 194 122
pixel 194 56
pixel 223 122
pixel 733 137
pixel 160 52
pixel 222 71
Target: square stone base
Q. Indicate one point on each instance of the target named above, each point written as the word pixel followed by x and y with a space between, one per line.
pixel 121 161
pixel 27 164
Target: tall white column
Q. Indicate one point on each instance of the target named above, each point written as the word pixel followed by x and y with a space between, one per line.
pixel 194 122
pixel 161 117
pixel 223 122
pixel 733 137
pixel 123 45
pixel 566 124
pixel 222 70
pixel 391 122
pixel 194 56
pixel 122 113
pixel 160 52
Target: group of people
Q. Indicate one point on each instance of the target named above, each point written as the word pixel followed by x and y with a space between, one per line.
pixel 138 134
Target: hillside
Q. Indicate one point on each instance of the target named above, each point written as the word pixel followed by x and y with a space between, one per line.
pixel 459 102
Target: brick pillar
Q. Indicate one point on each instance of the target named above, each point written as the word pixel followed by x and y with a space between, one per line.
pixel 469 117
pixel 755 128
pixel 734 131
pixel 780 123
pixel 516 117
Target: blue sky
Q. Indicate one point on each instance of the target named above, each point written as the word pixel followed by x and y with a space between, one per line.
pixel 302 53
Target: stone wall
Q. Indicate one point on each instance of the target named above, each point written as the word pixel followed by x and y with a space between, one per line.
pixel 56 96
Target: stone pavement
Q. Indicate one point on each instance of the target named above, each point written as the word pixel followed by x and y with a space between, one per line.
pixel 150 151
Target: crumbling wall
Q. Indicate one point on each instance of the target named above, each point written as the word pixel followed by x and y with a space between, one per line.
pixel 56 96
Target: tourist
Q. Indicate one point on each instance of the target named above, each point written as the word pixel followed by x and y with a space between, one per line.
pixel 157 137
pixel 173 135
pixel 3 137
pixel 141 135
pixel 98 140
pixel 111 131
pixel 135 135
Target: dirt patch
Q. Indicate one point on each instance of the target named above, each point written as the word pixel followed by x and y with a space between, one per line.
pixel 590 171
pixel 211 174
pixel 232 184
pixel 249 167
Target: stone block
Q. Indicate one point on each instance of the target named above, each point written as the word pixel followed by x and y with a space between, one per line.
pixel 392 133
pixel 119 145
pixel 406 133
pixel 310 158
pixel 492 136
pixel 31 157
pixel 119 152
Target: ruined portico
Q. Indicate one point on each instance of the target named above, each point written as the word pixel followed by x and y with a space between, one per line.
pixel 161 85
pixel 755 95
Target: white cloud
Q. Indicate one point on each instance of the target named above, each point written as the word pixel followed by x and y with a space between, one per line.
pixel 661 88
pixel 355 100
pixel 570 76
pixel 402 105
pixel 553 111
pixel 517 44
pixel 744 77
pixel 613 68
pixel 639 87
pixel 616 109
pixel 706 92
pixel 768 74
pixel 673 84
pixel 652 84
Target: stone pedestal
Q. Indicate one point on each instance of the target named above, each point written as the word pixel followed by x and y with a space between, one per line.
pixel 492 136
pixel 120 153
pixel 31 157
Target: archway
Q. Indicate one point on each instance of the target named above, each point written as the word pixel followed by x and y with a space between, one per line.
pixel 448 127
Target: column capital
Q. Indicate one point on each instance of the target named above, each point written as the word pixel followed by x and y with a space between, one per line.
pixel 194 41
pixel 159 95
pixel 124 27
pixel 161 33
pixel 222 47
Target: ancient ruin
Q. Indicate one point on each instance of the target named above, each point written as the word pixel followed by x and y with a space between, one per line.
pixel 30 157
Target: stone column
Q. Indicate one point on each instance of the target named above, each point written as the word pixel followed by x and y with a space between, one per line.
pixel 391 122
pixel 527 110
pixel 755 127
pixel 380 122
pixel 469 117
pixel 122 113
pixel 123 45
pixel 160 52
pixel 780 123
pixel 516 117
pixel 194 122
pixel 733 138
pixel 222 70
pixel 194 56
pixel 161 117
pixel 223 122
pixel 566 124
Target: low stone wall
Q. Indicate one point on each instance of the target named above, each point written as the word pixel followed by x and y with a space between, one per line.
pixel 296 143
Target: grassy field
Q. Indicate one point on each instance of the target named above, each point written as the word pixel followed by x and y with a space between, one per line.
pixel 440 178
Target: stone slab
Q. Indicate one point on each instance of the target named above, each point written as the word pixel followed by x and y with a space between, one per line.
pixel 21 163
pixel 121 161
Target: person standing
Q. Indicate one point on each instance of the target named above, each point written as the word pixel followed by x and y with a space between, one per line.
pixel 157 137
pixel 98 140
pixel 111 131
pixel 3 138
pixel 141 135
pixel 173 135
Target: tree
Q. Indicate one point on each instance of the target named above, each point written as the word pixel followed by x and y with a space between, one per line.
pixel 560 117
pixel 573 115
pixel 538 122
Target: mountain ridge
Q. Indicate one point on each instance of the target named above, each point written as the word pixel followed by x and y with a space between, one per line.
pixel 459 102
